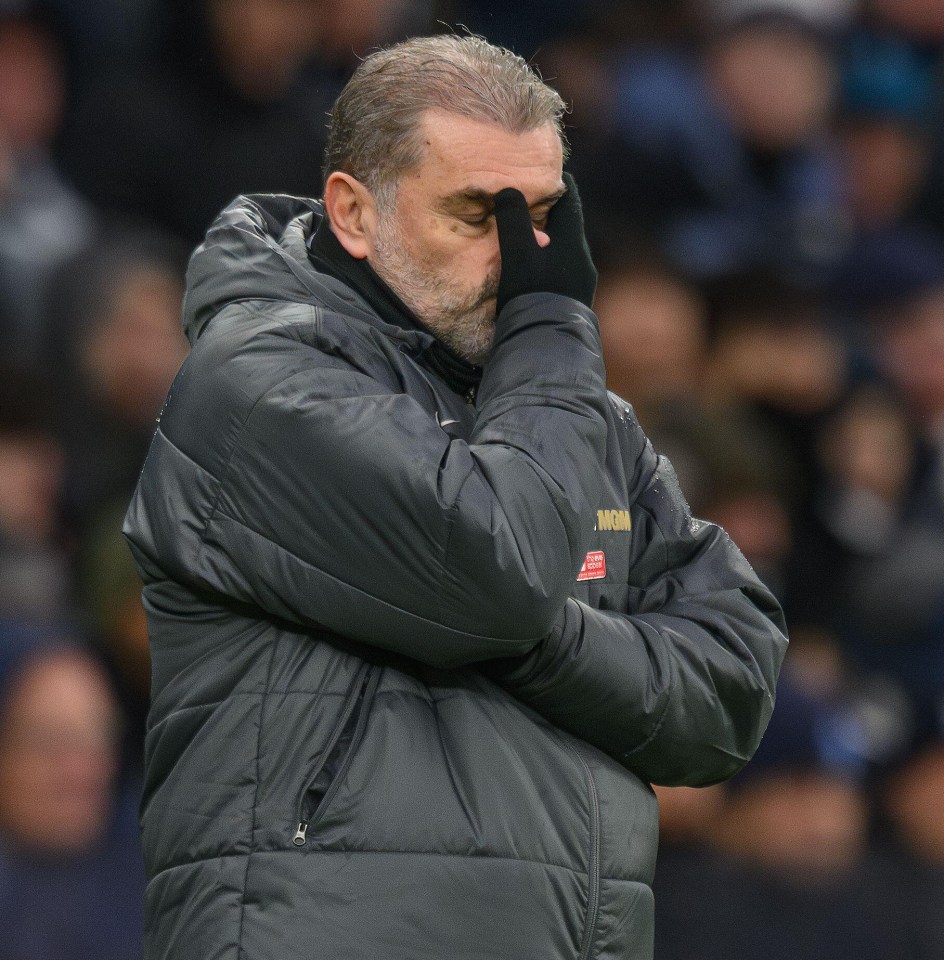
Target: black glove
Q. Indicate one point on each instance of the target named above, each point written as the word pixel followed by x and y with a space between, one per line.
pixel 564 266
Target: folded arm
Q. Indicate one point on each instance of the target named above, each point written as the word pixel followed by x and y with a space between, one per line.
pixel 335 501
pixel 679 687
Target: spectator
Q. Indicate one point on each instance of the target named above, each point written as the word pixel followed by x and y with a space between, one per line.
pixel 42 220
pixel 792 876
pixel 886 111
pixel 654 329
pixel 917 27
pixel 866 461
pixel 355 27
pixel 71 876
pixel 236 104
pixel 893 622
pixel 34 571
pixel 728 158
pixel 896 625
pixel 118 344
pixel 774 351
pixel 911 796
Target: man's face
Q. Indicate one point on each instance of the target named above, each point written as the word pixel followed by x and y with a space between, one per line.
pixel 437 247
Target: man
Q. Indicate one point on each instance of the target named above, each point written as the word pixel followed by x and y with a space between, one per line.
pixel 427 612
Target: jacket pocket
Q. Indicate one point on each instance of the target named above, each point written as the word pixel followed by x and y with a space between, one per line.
pixel 328 775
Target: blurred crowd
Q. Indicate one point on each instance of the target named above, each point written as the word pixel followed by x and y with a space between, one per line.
pixel 764 191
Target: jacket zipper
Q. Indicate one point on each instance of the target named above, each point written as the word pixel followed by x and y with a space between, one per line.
pixel 593 867
pixel 593 891
pixel 365 682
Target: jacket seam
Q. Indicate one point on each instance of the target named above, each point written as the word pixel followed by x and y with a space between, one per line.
pixel 248 854
pixel 218 513
pixel 255 803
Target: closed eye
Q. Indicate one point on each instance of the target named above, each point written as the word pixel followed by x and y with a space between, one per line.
pixel 538 219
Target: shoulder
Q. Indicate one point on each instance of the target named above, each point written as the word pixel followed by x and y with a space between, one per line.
pixel 628 440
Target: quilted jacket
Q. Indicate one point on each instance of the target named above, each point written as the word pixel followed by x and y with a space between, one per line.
pixel 416 659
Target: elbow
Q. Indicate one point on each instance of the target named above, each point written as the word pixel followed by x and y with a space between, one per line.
pixel 716 758
pixel 745 712
pixel 749 696
pixel 738 706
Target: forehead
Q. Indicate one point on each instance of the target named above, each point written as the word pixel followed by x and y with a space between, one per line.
pixel 460 153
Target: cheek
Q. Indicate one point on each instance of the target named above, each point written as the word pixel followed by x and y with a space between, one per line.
pixel 466 261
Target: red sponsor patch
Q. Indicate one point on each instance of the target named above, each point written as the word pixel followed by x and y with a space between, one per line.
pixel 594 566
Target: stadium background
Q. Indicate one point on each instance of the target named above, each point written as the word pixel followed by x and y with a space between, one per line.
pixel 764 192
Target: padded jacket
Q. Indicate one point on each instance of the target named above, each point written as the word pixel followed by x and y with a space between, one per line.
pixel 416 660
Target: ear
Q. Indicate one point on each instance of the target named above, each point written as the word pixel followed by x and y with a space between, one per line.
pixel 352 213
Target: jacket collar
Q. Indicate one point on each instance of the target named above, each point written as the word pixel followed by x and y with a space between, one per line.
pixel 329 256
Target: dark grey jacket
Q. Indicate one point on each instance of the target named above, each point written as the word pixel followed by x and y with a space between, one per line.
pixel 416 661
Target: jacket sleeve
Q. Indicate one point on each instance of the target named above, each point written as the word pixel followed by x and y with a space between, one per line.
pixel 341 505
pixel 680 687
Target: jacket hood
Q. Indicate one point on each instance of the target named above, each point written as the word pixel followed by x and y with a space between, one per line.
pixel 255 250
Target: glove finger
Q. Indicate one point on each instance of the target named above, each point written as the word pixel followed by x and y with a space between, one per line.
pixel 513 219
pixel 565 220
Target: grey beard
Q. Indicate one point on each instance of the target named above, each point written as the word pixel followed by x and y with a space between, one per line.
pixel 463 323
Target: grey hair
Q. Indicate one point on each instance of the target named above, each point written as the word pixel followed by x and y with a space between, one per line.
pixel 373 133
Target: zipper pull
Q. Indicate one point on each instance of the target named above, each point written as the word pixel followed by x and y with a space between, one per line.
pixel 470 395
pixel 299 838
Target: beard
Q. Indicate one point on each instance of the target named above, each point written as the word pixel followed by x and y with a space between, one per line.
pixel 462 319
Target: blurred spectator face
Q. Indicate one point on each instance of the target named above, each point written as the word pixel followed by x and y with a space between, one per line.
pixel 758 522
pixel 31 469
pixel 31 84
pixel 816 660
pixel 912 348
pixel 799 824
pixel 584 78
pixel 887 163
pixel 357 26
pixel 922 19
pixel 776 83
pixel 687 814
pixel 914 801
pixel 793 364
pixel 133 352
pixel 653 329
pixel 57 753
pixel 264 43
pixel 868 447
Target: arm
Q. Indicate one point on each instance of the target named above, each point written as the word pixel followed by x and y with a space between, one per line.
pixel 294 472
pixel 680 687
pixel 339 503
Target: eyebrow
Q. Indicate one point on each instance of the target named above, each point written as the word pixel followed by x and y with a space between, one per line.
pixel 476 196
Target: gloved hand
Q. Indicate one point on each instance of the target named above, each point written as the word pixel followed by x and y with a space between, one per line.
pixel 564 266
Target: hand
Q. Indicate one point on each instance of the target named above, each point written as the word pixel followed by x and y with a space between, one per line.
pixel 564 266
